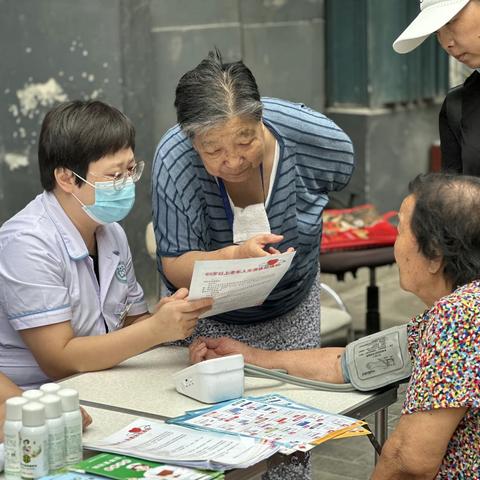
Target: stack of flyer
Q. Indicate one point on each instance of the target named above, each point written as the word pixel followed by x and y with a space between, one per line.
pixel 234 434
pixel 290 425
pixel 187 447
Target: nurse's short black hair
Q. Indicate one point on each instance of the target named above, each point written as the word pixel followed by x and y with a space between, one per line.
pixel 446 223
pixel 77 133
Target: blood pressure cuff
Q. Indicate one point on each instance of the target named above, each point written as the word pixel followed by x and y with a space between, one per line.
pixel 378 360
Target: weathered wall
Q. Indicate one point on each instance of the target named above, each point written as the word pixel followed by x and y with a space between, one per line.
pixel 131 53
pixel 282 41
pixel 392 146
pixel 51 51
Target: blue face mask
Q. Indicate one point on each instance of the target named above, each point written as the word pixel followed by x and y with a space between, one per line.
pixel 110 205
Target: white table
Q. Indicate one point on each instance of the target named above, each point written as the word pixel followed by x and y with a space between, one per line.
pixel 143 385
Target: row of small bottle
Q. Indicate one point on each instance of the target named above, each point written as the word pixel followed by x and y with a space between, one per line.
pixel 43 432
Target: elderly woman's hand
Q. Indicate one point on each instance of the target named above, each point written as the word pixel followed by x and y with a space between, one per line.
pixel 255 246
pixel 204 348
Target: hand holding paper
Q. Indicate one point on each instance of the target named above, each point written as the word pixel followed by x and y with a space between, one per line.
pixel 235 284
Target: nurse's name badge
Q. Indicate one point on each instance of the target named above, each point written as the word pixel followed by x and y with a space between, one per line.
pixel 121 272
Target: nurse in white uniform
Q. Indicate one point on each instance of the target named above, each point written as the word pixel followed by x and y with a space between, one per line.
pixel 69 299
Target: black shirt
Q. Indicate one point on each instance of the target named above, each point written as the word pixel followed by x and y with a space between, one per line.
pixel 97 274
pixel 462 155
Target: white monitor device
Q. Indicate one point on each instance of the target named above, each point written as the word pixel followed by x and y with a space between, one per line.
pixel 212 381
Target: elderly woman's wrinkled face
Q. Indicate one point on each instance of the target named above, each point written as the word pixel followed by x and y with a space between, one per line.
pixel 460 37
pixel 413 266
pixel 234 150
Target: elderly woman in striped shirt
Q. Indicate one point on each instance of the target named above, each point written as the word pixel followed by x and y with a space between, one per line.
pixel 237 174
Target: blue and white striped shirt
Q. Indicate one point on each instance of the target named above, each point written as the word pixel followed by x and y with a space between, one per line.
pixel 316 157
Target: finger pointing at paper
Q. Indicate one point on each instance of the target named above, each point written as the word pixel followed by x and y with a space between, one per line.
pixel 255 247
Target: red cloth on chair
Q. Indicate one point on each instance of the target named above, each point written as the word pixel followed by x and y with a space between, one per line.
pixel 357 228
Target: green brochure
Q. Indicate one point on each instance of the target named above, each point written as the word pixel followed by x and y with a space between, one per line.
pixel 120 467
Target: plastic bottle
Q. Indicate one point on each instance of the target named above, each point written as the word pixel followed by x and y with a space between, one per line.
pixel 50 388
pixel 2 457
pixel 33 441
pixel 56 431
pixel 73 425
pixel 11 430
pixel 32 395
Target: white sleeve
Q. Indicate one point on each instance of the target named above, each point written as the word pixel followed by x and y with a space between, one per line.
pixel 32 284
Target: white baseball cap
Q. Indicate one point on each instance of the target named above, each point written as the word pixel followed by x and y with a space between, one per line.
pixel 434 14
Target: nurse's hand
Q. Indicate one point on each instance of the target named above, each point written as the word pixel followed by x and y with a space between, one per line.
pixel 2 420
pixel 255 247
pixel 203 348
pixel 180 294
pixel 176 319
pixel 86 418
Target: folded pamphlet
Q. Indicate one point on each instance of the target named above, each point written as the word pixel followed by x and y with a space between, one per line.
pixel 177 445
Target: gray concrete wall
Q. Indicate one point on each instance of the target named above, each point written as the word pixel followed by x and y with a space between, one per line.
pixel 282 41
pixel 51 51
pixel 392 146
pixel 55 50
pixel 131 53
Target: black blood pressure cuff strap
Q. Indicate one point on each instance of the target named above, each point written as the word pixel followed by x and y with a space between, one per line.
pixel 377 360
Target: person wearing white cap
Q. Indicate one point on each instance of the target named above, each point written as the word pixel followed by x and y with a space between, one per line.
pixel 457 25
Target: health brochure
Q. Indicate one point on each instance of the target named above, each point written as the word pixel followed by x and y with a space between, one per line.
pixel 121 467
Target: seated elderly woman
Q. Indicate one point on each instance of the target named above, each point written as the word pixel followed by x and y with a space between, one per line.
pixel 438 255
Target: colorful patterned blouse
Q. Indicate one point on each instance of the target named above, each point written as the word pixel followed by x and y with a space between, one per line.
pixel 445 346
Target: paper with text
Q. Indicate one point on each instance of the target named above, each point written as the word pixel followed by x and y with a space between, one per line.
pixel 159 442
pixel 295 428
pixel 236 284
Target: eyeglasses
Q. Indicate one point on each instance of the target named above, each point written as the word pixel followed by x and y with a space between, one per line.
pixel 119 179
